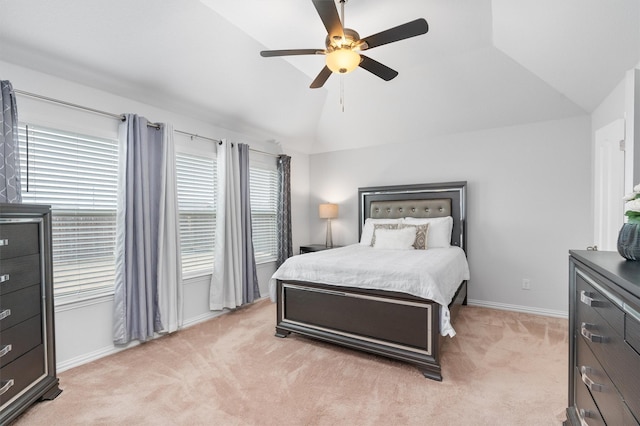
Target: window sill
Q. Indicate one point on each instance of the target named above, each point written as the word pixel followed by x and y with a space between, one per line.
pixel 196 274
pixel 69 303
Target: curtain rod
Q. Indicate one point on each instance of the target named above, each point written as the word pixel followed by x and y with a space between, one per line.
pixel 121 117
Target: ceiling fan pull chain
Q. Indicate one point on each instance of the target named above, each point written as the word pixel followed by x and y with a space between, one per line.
pixel 342 92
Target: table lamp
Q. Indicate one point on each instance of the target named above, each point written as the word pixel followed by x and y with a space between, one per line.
pixel 328 211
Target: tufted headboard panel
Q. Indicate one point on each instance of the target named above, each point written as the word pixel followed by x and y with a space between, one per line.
pixel 438 207
pixel 423 200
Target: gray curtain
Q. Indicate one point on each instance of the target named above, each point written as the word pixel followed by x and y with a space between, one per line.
pixel 10 191
pixel 226 282
pixel 250 289
pixel 137 314
pixel 234 281
pixel 170 293
pixel 285 248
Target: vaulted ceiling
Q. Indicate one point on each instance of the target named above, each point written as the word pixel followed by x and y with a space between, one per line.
pixel 483 63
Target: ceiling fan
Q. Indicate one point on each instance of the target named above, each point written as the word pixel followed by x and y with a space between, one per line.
pixel 343 45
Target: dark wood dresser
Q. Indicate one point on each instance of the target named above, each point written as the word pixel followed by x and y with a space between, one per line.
pixel 27 349
pixel 604 350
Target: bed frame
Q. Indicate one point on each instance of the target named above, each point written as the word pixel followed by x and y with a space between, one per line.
pixel 396 325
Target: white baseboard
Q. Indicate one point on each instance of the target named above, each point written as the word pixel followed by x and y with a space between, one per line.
pixel 202 318
pixel 110 350
pixel 91 356
pixel 518 308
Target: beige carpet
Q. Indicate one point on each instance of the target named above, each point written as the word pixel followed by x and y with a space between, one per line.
pixel 502 368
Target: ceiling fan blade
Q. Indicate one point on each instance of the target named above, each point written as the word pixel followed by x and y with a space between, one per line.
pixel 401 32
pixel 330 18
pixel 291 52
pixel 321 78
pixel 375 67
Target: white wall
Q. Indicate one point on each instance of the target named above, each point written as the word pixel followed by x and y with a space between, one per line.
pixel 84 330
pixel 529 190
pixel 611 108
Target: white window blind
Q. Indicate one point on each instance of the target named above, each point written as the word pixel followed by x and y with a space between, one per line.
pixel 196 179
pixel 77 175
pixel 264 199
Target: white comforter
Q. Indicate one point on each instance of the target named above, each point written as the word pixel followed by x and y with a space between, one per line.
pixel 433 274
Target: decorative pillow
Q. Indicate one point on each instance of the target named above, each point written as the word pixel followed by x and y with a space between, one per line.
pixel 440 229
pixel 367 230
pixel 395 239
pixel 379 226
pixel 422 231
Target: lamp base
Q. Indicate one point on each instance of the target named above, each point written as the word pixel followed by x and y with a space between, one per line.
pixel 328 240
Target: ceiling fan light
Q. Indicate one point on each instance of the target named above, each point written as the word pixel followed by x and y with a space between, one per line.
pixel 343 61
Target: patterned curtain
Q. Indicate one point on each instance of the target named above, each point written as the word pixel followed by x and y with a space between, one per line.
pixel 10 191
pixel 285 247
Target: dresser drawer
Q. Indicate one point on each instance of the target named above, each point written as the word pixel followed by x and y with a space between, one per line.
pixel 18 375
pixel 19 305
pixel 625 372
pixel 19 272
pixel 18 239
pixel 603 392
pixel 19 339
pixel 590 297
pixel 619 360
pixel 585 406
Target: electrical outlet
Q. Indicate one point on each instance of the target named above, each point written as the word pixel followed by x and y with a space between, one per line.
pixel 526 284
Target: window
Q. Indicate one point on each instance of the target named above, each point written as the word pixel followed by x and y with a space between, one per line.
pixel 264 202
pixel 77 175
pixel 196 180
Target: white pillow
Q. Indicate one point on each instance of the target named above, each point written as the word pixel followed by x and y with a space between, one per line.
pixel 396 239
pixel 367 230
pixel 421 235
pixel 440 229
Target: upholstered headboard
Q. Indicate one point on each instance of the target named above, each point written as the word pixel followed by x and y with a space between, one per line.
pixel 423 200
pixel 438 207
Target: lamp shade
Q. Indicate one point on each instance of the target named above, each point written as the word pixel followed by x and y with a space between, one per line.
pixel 328 211
pixel 343 60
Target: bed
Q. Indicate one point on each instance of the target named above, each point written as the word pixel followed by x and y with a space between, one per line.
pixel 395 303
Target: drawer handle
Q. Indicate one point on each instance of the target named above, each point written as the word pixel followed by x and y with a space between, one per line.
pixel 4 278
pixel 594 338
pixel 587 299
pixel 593 386
pixel 582 414
pixel 5 350
pixel 6 386
pixel 4 242
pixel 5 314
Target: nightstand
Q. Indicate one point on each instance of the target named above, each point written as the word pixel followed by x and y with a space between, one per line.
pixel 315 247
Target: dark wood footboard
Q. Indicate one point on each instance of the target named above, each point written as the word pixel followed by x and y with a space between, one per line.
pixel 391 324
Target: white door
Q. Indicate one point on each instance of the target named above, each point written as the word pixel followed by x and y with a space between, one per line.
pixel 609 184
